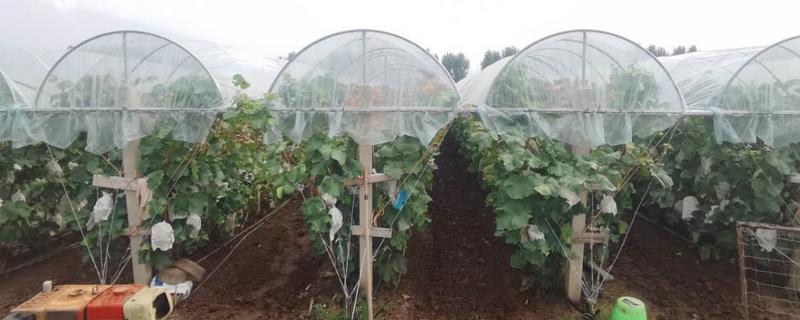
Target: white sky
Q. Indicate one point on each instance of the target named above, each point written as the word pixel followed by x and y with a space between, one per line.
pixel 471 26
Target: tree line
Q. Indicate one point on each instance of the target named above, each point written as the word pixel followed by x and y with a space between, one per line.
pixel 457 64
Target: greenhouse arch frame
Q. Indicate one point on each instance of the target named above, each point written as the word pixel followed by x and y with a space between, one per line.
pixel 315 42
pixel 121 86
pixel 369 84
pixel 34 71
pixel 585 31
pixel 124 34
pixel 752 93
pixel 584 87
pixel 779 44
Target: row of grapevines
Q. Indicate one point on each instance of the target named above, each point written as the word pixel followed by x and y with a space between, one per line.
pixel 533 186
pixel 227 176
pixel 30 205
pixel 718 185
pixel 331 161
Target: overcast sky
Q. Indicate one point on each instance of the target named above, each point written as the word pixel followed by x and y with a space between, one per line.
pixel 470 26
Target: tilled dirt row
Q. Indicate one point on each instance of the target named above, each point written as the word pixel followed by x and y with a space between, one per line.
pixel 457 269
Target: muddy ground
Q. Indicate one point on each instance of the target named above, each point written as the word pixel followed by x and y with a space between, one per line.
pixel 457 269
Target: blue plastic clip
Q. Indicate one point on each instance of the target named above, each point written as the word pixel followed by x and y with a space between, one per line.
pixel 402 198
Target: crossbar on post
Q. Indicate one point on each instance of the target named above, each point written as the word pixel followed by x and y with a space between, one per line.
pixel 365 231
pixel 136 204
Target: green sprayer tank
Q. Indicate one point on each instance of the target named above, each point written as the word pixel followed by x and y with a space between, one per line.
pixel 628 308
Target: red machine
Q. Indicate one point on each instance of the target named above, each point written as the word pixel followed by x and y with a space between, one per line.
pixel 60 303
pixel 95 302
pixel 108 305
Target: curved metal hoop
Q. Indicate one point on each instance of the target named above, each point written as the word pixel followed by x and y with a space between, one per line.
pixel 586 31
pixel 125 32
pixel 299 53
pixel 754 58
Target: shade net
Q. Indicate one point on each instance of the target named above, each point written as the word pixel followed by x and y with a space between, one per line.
pixel 122 86
pixel 586 88
pixel 754 93
pixel 371 85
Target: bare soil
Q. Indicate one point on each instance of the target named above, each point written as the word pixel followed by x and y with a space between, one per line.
pixel 457 269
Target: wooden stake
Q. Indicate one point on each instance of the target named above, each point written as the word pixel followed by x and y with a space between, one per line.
pixel 574 276
pixel 365 221
pixel 141 271
pixel 742 269
pixel 794 273
pixel 575 268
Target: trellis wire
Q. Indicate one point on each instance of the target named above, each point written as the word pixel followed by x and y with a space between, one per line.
pixel 244 235
pixel 769 272
pixel 75 216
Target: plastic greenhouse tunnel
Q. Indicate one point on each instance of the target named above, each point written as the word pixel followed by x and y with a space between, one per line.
pixel 122 86
pixel 753 93
pixel 583 87
pixel 372 85
pixel 21 73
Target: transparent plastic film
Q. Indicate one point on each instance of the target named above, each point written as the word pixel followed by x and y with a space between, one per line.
pixel 122 86
pixel 370 85
pixel 582 87
pixel 753 93
pixel 21 74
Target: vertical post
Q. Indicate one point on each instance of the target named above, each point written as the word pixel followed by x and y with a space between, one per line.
pixel 794 273
pixel 575 268
pixel 130 155
pixel 365 220
pixel 583 59
pixel 574 276
pixel 742 270
pixel 364 57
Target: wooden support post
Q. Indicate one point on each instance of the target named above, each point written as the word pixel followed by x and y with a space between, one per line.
pixel 365 231
pixel 574 276
pixel 742 270
pixel 365 221
pixel 141 271
pixel 794 273
pixel 137 196
pixel 575 268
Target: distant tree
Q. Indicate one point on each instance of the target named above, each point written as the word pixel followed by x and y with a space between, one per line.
pixel 509 51
pixel 678 50
pixel 289 56
pixel 657 51
pixel 491 56
pixel 456 64
pixel 433 54
pixel 693 48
